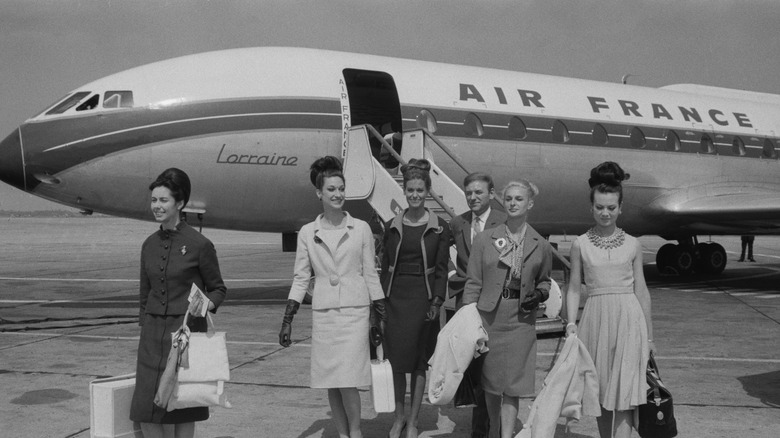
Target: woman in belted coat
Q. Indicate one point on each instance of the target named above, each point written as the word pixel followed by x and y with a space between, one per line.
pixel 508 276
pixel 414 278
pixel 338 250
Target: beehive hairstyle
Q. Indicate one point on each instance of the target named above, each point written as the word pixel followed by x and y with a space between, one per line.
pixel 607 177
pixel 417 169
pixel 175 180
pixel 325 167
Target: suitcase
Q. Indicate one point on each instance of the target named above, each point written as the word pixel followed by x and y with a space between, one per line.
pixel 382 390
pixel 109 408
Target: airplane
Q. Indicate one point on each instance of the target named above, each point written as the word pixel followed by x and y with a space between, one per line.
pixel 245 124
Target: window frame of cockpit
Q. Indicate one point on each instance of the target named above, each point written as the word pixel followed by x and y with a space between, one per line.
pixel 67 103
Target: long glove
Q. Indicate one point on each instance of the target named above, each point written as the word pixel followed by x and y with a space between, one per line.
pixel 532 300
pixel 286 331
pixel 433 311
pixel 376 322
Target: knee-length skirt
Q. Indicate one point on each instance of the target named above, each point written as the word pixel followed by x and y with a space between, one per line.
pixel 153 348
pixel 614 331
pixel 339 348
pixel 510 364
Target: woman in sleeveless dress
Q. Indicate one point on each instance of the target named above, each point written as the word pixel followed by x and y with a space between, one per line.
pixel 616 325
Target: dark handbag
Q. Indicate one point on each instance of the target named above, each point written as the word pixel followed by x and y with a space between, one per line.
pixel 656 417
pixel 464 395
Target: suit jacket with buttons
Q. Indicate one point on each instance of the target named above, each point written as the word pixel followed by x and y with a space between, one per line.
pixel 344 276
pixel 461 238
pixel 487 274
pixel 171 261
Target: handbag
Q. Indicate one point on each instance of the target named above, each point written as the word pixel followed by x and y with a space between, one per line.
pixel 656 417
pixel 382 390
pixel 464 395
pixel 196 371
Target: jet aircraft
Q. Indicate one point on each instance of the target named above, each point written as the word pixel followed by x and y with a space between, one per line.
pixel 246 123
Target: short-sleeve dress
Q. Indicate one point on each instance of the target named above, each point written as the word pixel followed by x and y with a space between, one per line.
pixel 613 326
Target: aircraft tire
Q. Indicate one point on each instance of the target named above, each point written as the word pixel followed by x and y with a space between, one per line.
pixel 682 260
pixel 663 258
pixel 712 258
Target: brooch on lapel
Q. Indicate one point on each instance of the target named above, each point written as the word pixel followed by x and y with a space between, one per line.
pixel 439 230
pixel 500 244
pixel 183 250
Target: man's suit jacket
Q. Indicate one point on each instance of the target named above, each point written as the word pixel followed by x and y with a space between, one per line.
pixel 461 237
pixel 345 276
pixel 487 274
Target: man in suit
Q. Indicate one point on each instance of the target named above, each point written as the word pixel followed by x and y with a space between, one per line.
pixel 480 193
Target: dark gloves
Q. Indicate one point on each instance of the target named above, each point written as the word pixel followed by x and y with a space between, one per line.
pixel 532 300
pixel 286 331
pixel 376 322
pixel 433 312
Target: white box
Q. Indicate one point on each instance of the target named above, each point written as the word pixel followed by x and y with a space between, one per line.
pixel 109 408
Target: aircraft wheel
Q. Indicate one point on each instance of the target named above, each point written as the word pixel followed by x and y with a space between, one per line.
pixel 663 258
pixel 682 260
pixel 712 258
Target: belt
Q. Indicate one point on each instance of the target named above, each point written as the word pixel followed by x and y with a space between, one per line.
pixel 510 294
pixel 409 269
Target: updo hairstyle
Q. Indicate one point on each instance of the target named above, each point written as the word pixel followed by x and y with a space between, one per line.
pixel 522 183
pixel 176 181
pixel 417 169
pixel 607 177
pixel 325 167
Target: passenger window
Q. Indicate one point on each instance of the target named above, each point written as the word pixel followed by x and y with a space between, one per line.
pixel 517 128
pixel 706 146
pixel 473 125
pixel 118 99
pixel 68 103
pixel 637 138
pixel 91 103
pixel 600 136
pixel 426 120
pixel 738 147
pixel 769 149
pixel 560 133
pixel 672 141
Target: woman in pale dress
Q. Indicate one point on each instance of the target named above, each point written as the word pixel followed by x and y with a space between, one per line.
pixel 347 298
pixel 616 325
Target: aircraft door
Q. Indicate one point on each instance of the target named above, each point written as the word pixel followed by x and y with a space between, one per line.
pixel 373 99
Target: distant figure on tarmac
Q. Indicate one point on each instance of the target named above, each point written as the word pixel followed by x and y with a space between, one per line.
pixel 347 299
pixel 747 243
pixel 172 259
pixel 480 191
pixel 616 325
pixel 414 278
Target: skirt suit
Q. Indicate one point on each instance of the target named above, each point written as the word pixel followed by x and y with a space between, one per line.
pixel 414 271
pixel 613 326
pixel 342 262
pixel 171 262
pixel 510 363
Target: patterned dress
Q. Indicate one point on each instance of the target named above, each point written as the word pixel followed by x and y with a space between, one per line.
pixel 613 326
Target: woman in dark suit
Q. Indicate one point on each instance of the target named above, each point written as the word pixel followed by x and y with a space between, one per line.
pixel 414 278
pixel 508 276
pixel 172 259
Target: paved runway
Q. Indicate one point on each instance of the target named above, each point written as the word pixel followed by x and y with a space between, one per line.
pixel 68 314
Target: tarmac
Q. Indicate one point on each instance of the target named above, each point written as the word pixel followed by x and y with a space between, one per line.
pixel 68 315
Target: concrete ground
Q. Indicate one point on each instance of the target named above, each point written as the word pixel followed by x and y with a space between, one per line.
pixel 68 314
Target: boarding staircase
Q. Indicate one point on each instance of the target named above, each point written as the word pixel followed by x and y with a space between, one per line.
pixel 369 180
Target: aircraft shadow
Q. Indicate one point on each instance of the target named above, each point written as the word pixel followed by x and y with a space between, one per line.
pixel 763 387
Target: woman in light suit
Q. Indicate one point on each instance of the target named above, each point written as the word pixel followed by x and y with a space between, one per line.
pixel 339 250
pixel 508 276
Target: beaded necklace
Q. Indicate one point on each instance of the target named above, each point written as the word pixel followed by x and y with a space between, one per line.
pixel 615 240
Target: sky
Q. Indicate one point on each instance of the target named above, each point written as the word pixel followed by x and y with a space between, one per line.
pixel 49 47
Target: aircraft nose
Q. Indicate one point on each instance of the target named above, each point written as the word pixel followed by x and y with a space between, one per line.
pixel 11 163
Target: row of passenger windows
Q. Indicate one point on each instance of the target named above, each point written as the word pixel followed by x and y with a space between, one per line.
pixel 599 137
pixel 111 99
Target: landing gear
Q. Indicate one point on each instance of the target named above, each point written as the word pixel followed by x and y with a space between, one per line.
pixel 689 255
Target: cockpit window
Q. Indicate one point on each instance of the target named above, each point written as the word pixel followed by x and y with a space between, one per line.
pixel 91 103
pixel 118 99
pixel 68 103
